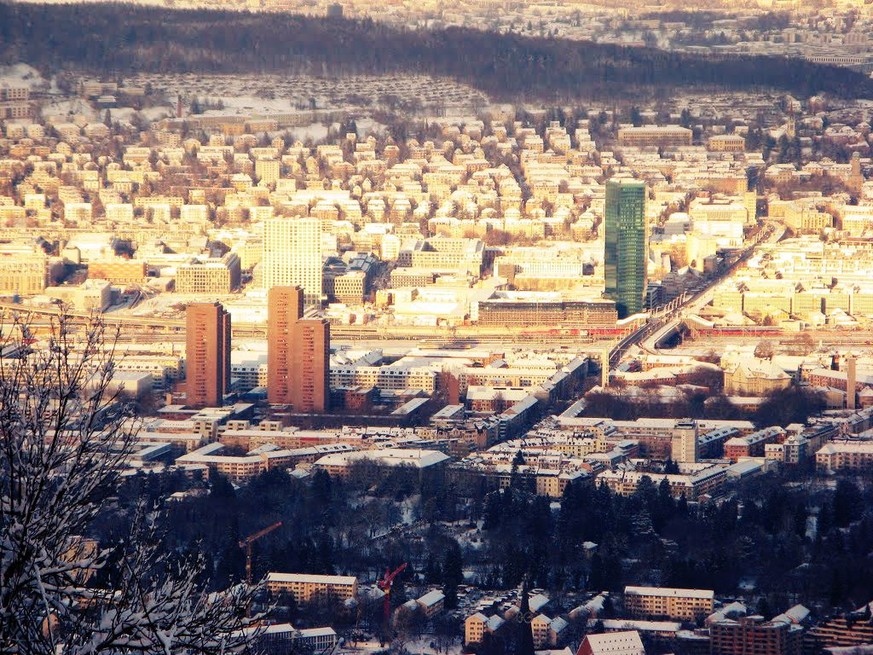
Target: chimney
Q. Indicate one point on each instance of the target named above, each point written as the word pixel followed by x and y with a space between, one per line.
pixel 851 381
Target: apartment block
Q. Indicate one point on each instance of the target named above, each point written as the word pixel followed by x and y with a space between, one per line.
pixel 845 455
pixel 207 354
pixel 752 445
pixel 23 273
pixel 847 631
pixel 668 136
pixel 298 353
pixel 753 635
pixel 691 485
pixel 307 588
pixel 681 604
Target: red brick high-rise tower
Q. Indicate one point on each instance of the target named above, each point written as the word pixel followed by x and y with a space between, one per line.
pixel 207 354
pixel 298 353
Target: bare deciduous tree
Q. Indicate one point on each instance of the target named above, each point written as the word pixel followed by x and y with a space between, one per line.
pixel 64 437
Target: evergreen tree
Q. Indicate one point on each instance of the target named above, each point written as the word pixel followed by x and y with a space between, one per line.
pixel 453 573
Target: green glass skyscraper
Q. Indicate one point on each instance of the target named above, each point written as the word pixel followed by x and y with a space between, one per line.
pixel 624 257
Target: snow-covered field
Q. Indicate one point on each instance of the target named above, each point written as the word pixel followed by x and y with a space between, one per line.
pixel 423 645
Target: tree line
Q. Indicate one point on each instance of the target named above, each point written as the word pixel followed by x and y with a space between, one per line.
pixel 119 39
pixel 797 539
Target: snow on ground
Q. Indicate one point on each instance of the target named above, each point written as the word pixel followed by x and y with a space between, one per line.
pixel 272 94
pixel 409 508
pixel 67 108
pixel 163 305
pixel 125 114
pixel 367 126
pixel 423 645
pixel 314 132
pixel 21 75
pixel 433 645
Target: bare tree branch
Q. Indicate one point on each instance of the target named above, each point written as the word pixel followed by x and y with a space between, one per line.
pixel 65 435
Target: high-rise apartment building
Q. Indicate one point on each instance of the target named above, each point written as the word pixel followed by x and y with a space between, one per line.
pixel 207 354
pixel 292 255
pixel 310 388
pixel 624 258
pixel 284 309
pixel 298 353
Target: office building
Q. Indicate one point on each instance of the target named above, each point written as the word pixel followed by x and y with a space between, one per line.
pixel 532 309
pixel 624 258
pixel 207 355
pixel 23 271
pixel 298 353
pixel 210 276
pixel 292 256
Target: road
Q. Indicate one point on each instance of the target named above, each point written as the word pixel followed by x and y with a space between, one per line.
pixel 156 329
pixel 648 336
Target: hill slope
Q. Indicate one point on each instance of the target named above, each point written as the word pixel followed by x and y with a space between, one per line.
pixel 113 38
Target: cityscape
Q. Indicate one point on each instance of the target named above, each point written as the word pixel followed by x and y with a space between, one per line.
pixel 441 328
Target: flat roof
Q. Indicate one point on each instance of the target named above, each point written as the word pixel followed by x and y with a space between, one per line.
pixel 273 576
pixel 670 591
pixel 432 597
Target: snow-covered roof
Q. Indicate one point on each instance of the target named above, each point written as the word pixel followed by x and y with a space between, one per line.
pixel 273 576
pixel 706 594
pixel 494 623
pixel 616 643
pixel 432 598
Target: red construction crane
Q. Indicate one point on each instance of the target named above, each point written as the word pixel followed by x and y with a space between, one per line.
pixel 247 544
pixel 385 584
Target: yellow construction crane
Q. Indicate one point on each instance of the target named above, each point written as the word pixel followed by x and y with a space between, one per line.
pixel 247 544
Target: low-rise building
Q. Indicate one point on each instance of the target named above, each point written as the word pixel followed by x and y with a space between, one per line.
pixel 612 643
pixel 845 455
pixel 683 604
pixel 692 485
pixel 307 588
pixel 845 631
pixel 478 625
pixel 666 136
pixel 340 464
pixel 432 603
pixel 755 378
pixel 753 635
pixel 752 445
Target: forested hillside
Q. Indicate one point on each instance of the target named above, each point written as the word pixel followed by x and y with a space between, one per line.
pixel 118 39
